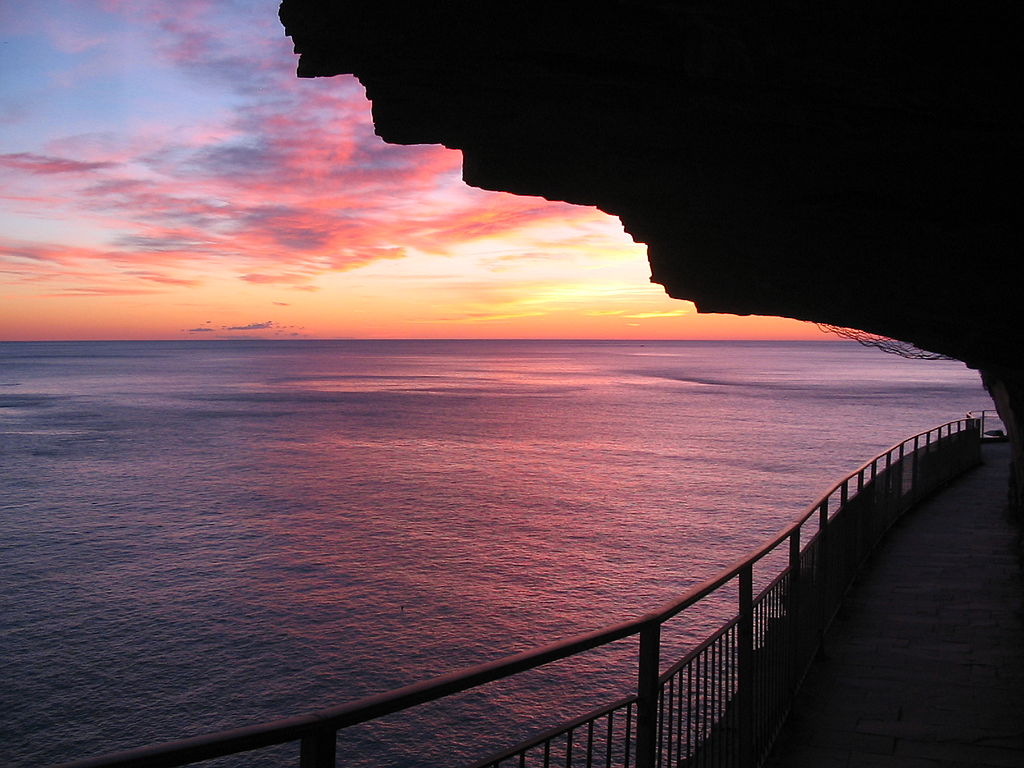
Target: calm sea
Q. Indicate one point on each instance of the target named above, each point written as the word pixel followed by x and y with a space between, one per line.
pixel 201 535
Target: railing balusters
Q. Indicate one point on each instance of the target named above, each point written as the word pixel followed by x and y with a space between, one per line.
pixel 675 743
pixel 693 738
pixel 668 723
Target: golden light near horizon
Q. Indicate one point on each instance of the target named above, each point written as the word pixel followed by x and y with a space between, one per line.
pixel 203 191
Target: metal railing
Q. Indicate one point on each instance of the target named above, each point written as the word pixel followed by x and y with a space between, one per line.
pixel 721 704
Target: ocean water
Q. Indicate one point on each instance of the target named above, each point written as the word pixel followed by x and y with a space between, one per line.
pixel 202 535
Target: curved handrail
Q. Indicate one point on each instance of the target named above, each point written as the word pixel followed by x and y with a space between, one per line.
pixel 329 720
pixel 674 607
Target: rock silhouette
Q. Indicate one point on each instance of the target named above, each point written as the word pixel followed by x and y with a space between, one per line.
pixel 854 163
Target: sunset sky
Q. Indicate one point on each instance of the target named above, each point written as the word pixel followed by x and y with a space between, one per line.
pixel 166 175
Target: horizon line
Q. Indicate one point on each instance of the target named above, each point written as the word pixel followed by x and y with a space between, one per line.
pixel 421 338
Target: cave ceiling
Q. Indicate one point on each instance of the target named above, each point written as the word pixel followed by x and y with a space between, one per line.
pixel 855 164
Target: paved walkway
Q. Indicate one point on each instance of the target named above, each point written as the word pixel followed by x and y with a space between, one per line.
pixel 924 668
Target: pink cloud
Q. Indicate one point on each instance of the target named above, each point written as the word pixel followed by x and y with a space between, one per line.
pixel 283 278
pixel 294 185
pixel 251 326
pixel 32 163
pixel 87 292
pixel 156 277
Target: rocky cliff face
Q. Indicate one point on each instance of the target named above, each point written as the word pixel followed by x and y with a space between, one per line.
pixel 852 163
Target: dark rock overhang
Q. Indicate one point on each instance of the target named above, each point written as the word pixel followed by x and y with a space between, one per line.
pixel 851 163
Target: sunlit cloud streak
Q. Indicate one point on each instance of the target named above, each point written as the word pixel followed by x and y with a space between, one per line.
pixel 672 313
pixel 251 326
pixel 266 329
pixel 30 163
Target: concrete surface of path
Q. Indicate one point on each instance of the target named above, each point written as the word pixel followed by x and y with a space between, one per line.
pixel 924 667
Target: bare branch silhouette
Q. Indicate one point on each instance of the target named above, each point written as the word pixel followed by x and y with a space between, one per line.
pixel 892 346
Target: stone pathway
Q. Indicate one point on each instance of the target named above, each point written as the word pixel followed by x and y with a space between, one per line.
pixel 924 668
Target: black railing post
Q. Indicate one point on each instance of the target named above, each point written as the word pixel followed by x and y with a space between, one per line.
pixel 745 671
pixel 929 465
pixel 823 580
pixel 647 695
pixel 847 531
pixel 863 519
pixel 915 477
pixel 951 452
pixel 900 500
pixel 317 750
pixel 890 513
pixel 796 636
